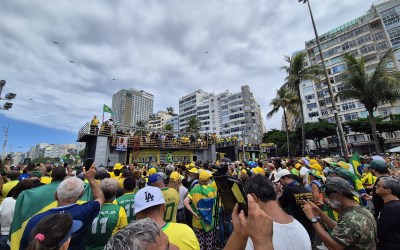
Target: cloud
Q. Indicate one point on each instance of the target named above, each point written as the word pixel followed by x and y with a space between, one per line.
pixel 157 46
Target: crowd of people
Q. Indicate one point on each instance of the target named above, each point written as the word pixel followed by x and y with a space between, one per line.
pixel 292 203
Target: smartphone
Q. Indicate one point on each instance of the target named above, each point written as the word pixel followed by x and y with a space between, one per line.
pixel 231 191
pixel 88 163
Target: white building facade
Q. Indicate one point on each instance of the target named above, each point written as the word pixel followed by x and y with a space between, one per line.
pixel 131 106
pixel 370 36
pixel 224 114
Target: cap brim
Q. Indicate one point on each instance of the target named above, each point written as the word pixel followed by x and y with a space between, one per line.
pixel 152 205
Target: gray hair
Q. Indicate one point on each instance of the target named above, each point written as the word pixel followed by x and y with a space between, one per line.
pixel 169 169
pixel 70 189
pixel 109 187
pixel 393 184
pixel 137 235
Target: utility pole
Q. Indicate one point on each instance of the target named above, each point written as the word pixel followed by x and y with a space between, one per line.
pixel 334 108
pixel 5 131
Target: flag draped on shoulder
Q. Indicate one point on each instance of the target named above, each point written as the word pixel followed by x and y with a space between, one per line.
pixel 33 201
pixel 107 109
pixel 356 163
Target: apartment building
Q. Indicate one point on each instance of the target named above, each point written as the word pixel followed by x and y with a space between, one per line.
pixel 369 36
pixel 131 106
pixel 225 114
pixel 159 120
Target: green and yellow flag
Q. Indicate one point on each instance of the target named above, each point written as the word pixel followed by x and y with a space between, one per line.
pixel 356 163
pixel 107 109
pixel 33 201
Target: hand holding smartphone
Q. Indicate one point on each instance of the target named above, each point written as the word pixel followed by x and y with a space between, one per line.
pixel 88 163
pixel 231 192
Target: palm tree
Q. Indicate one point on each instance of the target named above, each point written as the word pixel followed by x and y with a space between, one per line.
pixel 289 103
pixel 371 89
pixel 297 72
pixel 170 110
pixel 193 125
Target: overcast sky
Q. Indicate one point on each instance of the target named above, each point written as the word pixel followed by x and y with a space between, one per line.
pixel 167 48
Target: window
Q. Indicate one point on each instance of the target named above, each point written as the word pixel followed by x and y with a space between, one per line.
pixel 338 68
pixel 321 103
pixel 313 114
pixel 367 48
pixel 347 106
pixel 381 46
pixel 311 105
pixel 324 112
pixel 378 36
pixel 310 97
pixel 351 116
pixel 340 87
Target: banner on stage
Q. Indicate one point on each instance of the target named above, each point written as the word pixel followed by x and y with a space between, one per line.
pixel 122 143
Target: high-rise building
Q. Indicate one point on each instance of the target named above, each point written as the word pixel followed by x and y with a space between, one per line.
pixel 369 36
pixel 131 106
pixel 225 114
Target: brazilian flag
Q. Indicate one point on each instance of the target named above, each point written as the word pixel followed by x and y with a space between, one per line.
pixel 33 201
pixel 356 163
pixel 107 109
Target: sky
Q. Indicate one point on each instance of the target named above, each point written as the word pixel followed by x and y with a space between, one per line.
pixel 61 57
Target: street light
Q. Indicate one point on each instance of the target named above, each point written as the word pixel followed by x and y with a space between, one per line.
pixel 338 123
pixel 8 96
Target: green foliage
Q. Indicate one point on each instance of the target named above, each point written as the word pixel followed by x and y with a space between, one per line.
pixel 278 137
pixel 170 110
pixel 297 72
pixel 371 89
pixel 316 131
pixel 319 130
pixel 82 154
pixel 193 125
pixel 168 127
pixel 140 124
pixel 363 125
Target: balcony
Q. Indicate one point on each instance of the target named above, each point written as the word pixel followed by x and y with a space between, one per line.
pixel 147 138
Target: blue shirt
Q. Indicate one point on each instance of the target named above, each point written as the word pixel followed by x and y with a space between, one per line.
pixel 85 213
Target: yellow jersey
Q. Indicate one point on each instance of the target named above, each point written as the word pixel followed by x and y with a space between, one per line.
pixel 181 235
pixel 172 198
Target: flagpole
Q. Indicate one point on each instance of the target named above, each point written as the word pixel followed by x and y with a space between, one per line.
pixel 103 116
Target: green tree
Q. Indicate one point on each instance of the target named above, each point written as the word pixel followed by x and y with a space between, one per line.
pixel 170 110
pixel 152 117
pixel 193 125
pixel 316 131
pixel 168 127
pixel 278 137
pixel 140 124
pixel 289 103
pixel 297 72
pixel 371 89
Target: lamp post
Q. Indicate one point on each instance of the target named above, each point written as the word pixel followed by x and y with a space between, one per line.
pixel 334 108
pixel 8 96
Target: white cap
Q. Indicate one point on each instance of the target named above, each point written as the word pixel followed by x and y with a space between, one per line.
pixel 280 174
pixel 148 197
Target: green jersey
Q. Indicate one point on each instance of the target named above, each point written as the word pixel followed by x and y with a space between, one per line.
pixel 127 201
pixel 110 219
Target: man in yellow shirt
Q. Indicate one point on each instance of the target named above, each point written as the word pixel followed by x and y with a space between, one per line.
pixel 150 203
pixel 13 177
pixel 94 125
pixel 171 197
pixel 368 179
